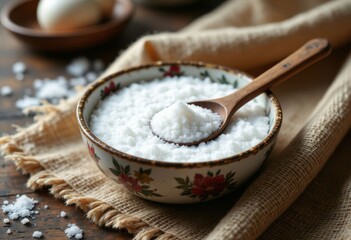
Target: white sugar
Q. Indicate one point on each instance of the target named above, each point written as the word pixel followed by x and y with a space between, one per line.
pixel 91 76
pixel 6 91
pixel 46 206
pixel 78 67
pixel 183 123
pixel 37 234
pixel 56 88
pixel 19 68
pixel 79 81
pixel 63 214
pixel 6 220
pixel 25 221
pixel 38 83
pixel 5 202
pixel 9 231
pixel 128 112
pixel 53 90
pixel 27 101
pixel 79 236
pixel 20 208
pixel 74 231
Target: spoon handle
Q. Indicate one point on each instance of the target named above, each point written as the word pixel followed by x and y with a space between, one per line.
pixel 309 53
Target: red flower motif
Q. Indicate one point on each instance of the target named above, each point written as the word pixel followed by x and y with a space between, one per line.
pixel 208 185
pixel 174 70
pixel 129 182
pixel 111 87
pixel 92 152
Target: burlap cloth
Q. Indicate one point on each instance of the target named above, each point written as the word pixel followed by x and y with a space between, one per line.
pixel 244 34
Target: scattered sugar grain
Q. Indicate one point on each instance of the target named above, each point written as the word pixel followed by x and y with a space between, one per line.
pixel 24 221
pixel 37 234
pixel 6 91
pixel 38 83
pixel 9 231
pixel 46 206
pixel 19 67
pixel 79 236
pixel 36 212
pixel 6 220
pixel 52 89
pixel 20 208
pixel 27 101
pixel 5 202
pixel 63 214
pixel 73 230
pixel 78 67
pixel 79 81
pixel 91 76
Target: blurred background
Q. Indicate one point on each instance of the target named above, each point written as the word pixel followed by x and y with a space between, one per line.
pixel 29 76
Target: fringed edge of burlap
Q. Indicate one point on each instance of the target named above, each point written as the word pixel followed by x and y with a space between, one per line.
pixel 99 212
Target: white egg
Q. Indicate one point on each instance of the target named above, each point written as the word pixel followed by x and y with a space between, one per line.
pixel 107 6
pixel 63 15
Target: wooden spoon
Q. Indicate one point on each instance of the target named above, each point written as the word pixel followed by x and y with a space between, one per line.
pixel 309 53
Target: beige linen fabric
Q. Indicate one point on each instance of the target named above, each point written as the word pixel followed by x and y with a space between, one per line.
pixel 244 34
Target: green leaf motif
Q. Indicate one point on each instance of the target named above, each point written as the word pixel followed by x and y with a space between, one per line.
pixel 180 181
pixel 222 80
pixel 115 172
pixel 236 83
pixel 137 182
pixel 127 170
pixel 117 166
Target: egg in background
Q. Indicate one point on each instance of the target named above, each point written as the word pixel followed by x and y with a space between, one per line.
pixel 68 15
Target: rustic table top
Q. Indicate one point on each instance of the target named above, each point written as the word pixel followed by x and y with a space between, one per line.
pixel 41 65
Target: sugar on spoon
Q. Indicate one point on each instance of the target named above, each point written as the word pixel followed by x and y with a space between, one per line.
pixel 311 52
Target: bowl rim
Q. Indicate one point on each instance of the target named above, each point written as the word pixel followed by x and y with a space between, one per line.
pixel 94 29
pixel 210 163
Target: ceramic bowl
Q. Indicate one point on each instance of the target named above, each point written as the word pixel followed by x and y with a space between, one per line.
pixel 174 182
pixel 19 18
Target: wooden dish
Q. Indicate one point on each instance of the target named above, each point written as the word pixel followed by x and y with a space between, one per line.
pixel 19 18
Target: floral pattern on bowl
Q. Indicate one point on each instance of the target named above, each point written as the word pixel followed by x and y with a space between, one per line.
pixel 139 184
pixel 204 186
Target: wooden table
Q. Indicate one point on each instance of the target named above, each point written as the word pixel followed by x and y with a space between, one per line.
pixel 40 65
pixel 12 182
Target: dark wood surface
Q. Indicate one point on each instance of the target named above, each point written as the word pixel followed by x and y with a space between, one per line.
pixel 41 65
